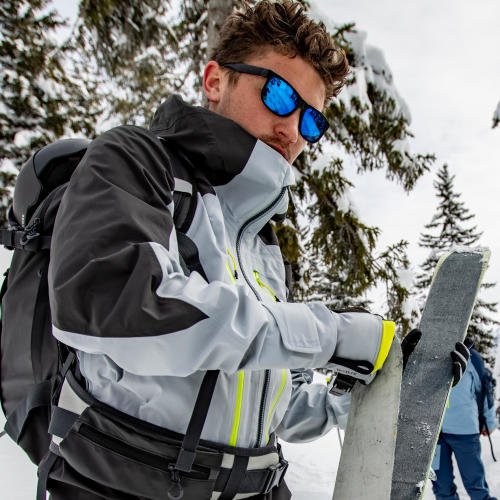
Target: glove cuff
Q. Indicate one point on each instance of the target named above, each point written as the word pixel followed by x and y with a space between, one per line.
pixel 363 344
pixel 388 332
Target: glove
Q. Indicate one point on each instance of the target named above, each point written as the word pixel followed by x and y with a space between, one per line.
pixel 361 349
pixel 409 343
pixel 469 342
pixel 460 357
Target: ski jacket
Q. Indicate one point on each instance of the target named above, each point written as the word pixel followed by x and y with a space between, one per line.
pixel 462 416
pixel 145 332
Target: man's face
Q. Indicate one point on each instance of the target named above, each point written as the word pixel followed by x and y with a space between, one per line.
pixel 242 102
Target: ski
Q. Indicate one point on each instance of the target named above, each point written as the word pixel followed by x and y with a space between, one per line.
pixel 367 458
pixel 427 378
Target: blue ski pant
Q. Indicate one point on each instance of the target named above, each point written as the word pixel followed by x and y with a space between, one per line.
pixel 467 451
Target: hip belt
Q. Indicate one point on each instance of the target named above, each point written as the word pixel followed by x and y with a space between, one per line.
pixel 117 456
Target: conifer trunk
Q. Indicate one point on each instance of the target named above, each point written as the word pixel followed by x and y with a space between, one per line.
pixel 218 10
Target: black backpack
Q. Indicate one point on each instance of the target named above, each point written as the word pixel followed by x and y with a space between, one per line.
pixel 32 361
pixel 487 393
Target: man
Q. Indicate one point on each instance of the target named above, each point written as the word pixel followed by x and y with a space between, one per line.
pixel 161 316
pixel 460 436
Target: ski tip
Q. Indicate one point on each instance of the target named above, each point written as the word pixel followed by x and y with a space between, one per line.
pixel 484 252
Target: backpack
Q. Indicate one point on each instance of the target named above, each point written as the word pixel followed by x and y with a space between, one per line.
pixel 487 386
pixel 33 363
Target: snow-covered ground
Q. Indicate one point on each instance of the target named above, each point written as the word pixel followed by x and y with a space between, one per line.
pixel 311 475
pixel 313 467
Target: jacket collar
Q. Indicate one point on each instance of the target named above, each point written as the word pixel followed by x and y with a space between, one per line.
pixel 245 173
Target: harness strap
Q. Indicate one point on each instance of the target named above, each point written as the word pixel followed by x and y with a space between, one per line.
pixel 192 438
pixel 254 478
pixel 237 474
pixel 43 475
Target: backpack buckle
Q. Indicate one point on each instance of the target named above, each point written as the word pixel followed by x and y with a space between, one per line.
pixel 276 473
pixel 28 236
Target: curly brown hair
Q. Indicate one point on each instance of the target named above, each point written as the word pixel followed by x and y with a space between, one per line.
pixel 285 27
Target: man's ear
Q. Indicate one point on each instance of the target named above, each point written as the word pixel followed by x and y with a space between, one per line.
pixel 212 81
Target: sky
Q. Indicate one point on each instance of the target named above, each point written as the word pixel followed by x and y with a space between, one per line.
pixel 445 61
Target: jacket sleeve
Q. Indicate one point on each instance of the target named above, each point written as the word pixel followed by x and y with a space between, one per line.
pixel 312 411
pixel 116 286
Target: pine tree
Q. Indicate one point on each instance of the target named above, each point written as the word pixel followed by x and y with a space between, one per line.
pixel 451 227
pixel 40 99
pixel 370 123
pixel 131 54
pixel 127 51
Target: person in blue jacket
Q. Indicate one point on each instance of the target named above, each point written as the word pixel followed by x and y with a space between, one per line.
pixel 460 436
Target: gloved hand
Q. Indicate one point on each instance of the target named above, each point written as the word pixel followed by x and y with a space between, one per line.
pixel 460 356
pixel 409 343
pixel 363 343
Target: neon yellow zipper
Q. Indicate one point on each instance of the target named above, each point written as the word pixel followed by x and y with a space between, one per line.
pixel 237 411
pixel 264 286
pixel 233 273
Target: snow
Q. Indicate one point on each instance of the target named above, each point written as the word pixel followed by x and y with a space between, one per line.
pixel 23 138
pixel 346 204
pixel 8 167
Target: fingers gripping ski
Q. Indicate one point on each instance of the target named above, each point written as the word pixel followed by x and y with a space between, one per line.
pixel 460 356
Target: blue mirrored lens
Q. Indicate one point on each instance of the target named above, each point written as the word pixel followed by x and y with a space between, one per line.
pixel 279 97
pixel 313 125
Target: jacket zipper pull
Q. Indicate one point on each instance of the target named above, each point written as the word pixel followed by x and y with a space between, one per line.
pixel 235 271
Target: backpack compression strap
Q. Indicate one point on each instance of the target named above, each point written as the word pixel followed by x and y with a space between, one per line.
pixel 24 239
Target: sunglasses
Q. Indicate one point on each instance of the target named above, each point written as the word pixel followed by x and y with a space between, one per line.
pixel 282 99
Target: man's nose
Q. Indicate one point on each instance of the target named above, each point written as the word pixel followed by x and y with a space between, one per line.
pixel 288 127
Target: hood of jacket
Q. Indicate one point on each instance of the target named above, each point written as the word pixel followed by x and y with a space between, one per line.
pixel 245 172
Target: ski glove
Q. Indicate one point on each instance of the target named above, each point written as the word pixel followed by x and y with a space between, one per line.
pixel 460 357
pixel 363 343
pixel 409 343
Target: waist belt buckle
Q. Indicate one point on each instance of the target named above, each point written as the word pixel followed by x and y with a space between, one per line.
pixel 276 473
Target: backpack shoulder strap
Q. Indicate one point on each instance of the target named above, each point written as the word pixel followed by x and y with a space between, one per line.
pixel 478 364
pixel 185 197
pixel 185 202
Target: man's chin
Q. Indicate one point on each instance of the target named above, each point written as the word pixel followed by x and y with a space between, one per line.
pixel 280 149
